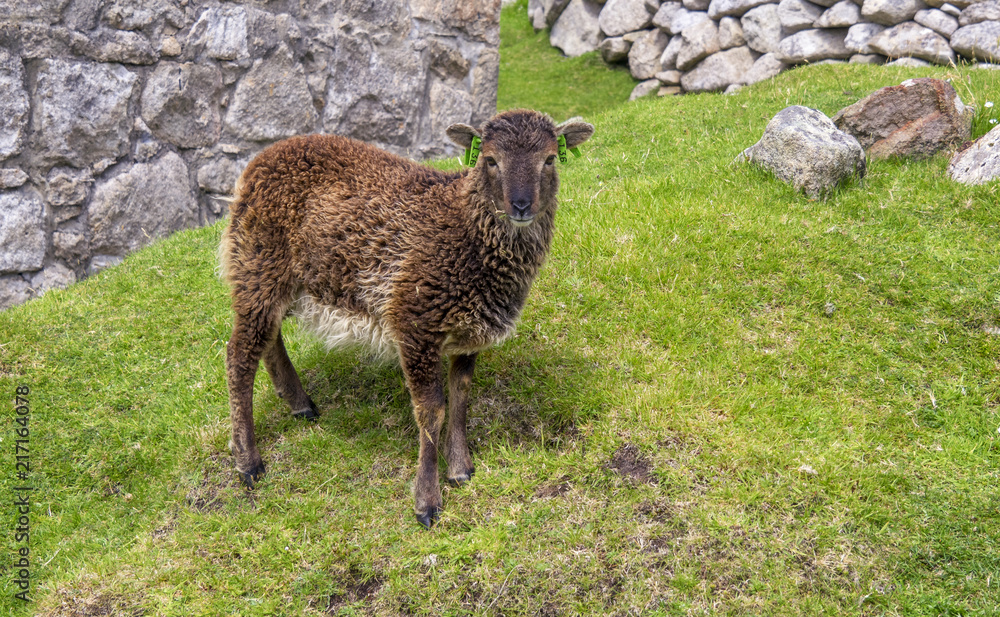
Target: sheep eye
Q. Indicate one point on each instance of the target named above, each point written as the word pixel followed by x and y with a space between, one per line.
pixel 491 161
pixel 550 160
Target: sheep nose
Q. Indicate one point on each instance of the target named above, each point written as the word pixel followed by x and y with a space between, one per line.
pixel 521 208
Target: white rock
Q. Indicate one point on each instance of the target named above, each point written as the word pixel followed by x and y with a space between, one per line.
pixel 859 35
pixel 719 70
pixel 841 15
pixel 577 31
pixel 56 276
pixel 621 16
pixel 718 9
pixel 80 111
pixel 762 28
pixel 684 19
pixel 979 163
pixel 765 67
pixel 13 104
pixel 148 201
pixel 909 63
pixel 979 41
pixel 891 12
pixel 669 58
pixel 813 46
pixel 867 59
pixel 669 78
pixel 796 15
pixel 730 33
pixel 910 39
pixel 22 230
pixel 644 88
pixel 989 10
pixel 937 20
pixel 644 57
pixel 664 16
pixel 802 146
pixel 699 41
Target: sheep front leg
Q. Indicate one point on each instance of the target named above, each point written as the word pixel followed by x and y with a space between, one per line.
pixel 422 366
pixel 460 467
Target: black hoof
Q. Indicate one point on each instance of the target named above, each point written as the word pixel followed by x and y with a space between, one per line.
pixel 309 413
pixel 250 477
pixel 429 518
pixel 462 479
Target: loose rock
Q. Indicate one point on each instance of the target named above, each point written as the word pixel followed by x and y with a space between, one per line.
pixel 801 146
pixel 914 119
pixel 614 49
pixel 718 9
pixel 980 162
pixel 765 67
pixel 730 33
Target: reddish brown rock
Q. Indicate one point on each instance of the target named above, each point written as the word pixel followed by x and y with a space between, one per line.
pixel 915 119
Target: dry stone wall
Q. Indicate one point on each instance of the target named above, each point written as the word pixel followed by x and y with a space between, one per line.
pixel 707 45
pixel 124 120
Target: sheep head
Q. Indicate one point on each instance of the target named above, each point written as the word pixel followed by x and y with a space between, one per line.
pixel 516 167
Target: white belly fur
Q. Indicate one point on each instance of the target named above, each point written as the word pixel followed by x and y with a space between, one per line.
pixel 339 328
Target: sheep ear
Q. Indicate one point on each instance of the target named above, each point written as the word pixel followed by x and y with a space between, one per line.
pixel 576 131
pixel 462 135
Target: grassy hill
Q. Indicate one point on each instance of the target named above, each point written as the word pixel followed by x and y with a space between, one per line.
pixel 724 398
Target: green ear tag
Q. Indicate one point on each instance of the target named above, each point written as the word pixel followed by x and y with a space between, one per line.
pixel 562 149
pixel 472 152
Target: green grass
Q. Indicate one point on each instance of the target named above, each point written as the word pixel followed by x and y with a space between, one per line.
pixel 537 76
pixel 724 399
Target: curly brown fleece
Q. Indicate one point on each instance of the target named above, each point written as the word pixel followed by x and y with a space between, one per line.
pixel 370 248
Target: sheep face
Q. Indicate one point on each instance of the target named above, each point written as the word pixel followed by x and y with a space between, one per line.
pixel 522 182
pixel 516 169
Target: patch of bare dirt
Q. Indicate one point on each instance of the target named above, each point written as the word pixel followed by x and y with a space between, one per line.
pixel 493 413
pixel 86 603
pixel 548 491
pixel 357 588
pixel 218 480
pixel 628 462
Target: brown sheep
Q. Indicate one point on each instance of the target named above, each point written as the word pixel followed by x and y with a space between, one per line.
pixel 366 247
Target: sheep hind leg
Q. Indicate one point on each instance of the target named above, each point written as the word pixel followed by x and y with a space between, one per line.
pixel 460 467
pixel 286 381
pixel 251 336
